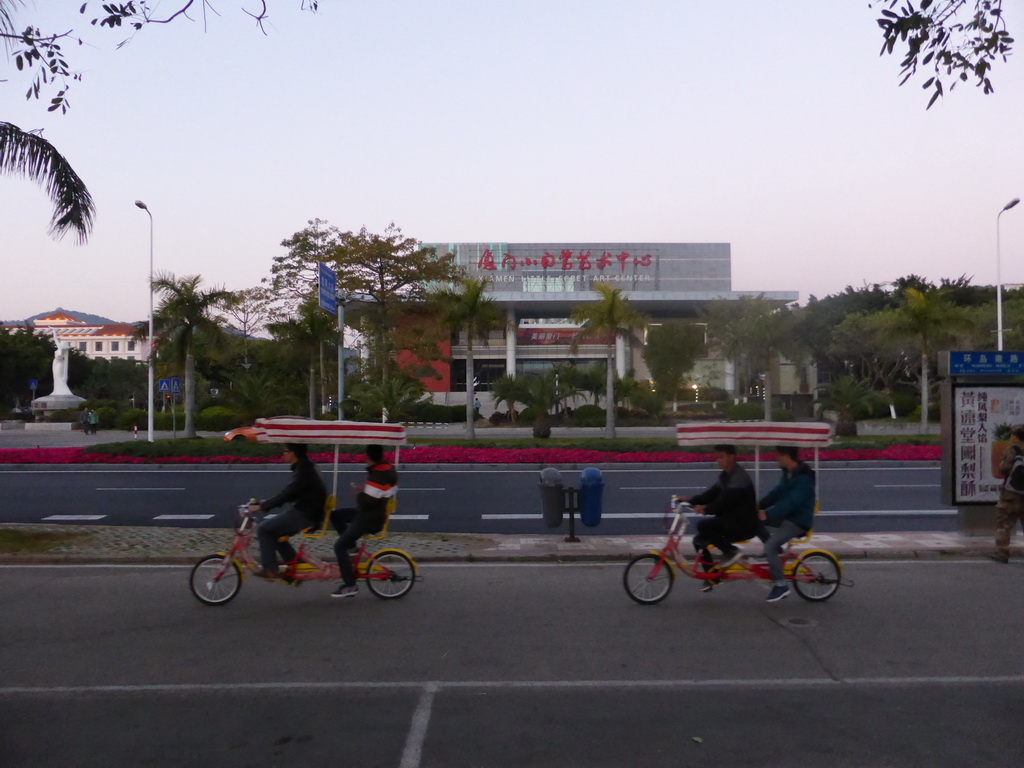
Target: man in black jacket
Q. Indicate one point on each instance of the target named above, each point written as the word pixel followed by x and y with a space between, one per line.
pixel 307 495
pixel 368 516
pixel 730 509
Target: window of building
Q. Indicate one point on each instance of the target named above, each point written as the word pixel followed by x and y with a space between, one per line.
pixel 130 357
pixel 98 347
pixel 131 348
pixel 81 346
pixel 115 346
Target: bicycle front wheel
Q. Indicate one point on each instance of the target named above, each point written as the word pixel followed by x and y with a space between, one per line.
pixel 215 580
pixel 816 576
pixel 390 574
pixel 648 579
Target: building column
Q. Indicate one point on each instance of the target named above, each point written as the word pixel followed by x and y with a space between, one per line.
pixel 510 341
pixel 620 356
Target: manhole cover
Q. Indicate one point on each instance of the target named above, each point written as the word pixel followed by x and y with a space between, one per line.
pixel 798 622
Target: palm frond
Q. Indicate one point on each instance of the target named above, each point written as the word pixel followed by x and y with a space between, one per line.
pixel 30 156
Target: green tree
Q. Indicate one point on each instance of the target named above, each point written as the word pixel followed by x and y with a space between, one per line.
pixel 465 308
pixel 753 332
pixel 248 311
pixel 24 356
pixel 541 393
pixel 393 397
pixel 672 349
pixel 611 317
pixel 260 395
pixel 849 397
pixel 186 314
pixel 869 351
pixel 927 321
pixel 509 390
pixel 305 335
pixel 957 39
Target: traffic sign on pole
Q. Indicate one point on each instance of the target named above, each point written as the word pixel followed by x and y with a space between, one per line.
pixel 165 386
pixel 328 289
pixel 175 386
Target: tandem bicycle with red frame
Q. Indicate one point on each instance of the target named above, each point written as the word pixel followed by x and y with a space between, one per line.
pixel 815 574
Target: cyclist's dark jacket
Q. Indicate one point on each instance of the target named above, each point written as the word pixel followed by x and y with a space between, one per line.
pixel 733 501
pixel 306 492
pixel 793 498
pixel 381 484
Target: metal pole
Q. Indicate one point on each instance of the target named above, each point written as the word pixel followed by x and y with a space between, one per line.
pixel 999 278
pixel 149 355
pixel 341 356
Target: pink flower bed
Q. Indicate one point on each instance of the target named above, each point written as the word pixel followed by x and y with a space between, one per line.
pixel 458 455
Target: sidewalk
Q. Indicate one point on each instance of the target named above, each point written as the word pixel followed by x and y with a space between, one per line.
pixel 125 544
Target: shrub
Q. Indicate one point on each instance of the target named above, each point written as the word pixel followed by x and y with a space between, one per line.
pixel 218 418
pixel 529 415
pixel 63 416
pixel 588 416
pixel 933 412
pixel 744 412
pixel 433 412
pixel 128 420
pixel 107 416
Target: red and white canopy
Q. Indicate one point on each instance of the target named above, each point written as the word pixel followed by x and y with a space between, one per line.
pixel 812 434
pixel 283 430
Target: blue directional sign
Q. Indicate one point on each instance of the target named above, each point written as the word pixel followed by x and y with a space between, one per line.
pixel 175 386
pixel 328 289
pixel 981 363
pixel 33 384
pixel 165 386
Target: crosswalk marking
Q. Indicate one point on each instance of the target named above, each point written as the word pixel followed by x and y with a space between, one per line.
pixel 74 517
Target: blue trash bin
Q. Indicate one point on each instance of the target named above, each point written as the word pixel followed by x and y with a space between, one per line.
pixel 591 492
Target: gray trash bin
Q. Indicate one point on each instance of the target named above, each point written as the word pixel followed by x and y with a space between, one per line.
pixel 552 497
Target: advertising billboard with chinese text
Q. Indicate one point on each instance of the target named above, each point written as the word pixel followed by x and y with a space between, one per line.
pixel 982 417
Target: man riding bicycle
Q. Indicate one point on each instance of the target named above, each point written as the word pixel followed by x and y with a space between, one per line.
pixel 368 516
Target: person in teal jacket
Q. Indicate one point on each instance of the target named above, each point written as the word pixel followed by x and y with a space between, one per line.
pixel 787 512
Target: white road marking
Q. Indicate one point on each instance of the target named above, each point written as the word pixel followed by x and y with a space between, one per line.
pixel 412 755
pixel 183 517
pixel 140 489
pixel 410 517
pixel 910 485
pixel 431 688
pixel 74 517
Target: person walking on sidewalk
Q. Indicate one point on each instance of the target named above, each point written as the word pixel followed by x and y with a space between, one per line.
pixel 730 511
pixel 786 512
pixel 1010 507
pixel 368 516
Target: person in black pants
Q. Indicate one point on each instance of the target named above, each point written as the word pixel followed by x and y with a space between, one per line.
pixel 368 515
pixel 730 509
pixel 307 495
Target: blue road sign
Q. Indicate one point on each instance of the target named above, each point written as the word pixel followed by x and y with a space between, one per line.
pixel 175 386
pixel 33 384
pixel 328 289
pixel 165 386
pixel 980 363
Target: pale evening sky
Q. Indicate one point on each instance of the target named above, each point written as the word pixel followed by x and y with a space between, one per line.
pixel 775 127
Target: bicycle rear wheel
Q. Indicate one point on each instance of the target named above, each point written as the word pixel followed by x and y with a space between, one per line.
pixel 214 581
pixel 390 574
pixel 816 576
pixel 648 579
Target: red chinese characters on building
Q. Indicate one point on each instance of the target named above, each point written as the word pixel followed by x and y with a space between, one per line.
pixel 566 260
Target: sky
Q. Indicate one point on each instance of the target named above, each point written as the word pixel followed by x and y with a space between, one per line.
pixel 775 127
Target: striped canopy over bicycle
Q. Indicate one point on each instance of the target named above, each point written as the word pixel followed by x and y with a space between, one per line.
pixel 810 434
pixel 292 430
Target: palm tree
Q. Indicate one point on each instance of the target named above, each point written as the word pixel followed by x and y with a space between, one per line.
pixel 610 317
pixel 592 379
pixel 392 397
pixel 305 334
pixel 260 394
pixel 30 156
pixel 184 314
pixel 540 394
pixel 465 308
pixel 510 390
pixel 929 320
pixel 848 397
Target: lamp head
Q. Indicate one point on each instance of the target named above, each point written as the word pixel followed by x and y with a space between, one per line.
pixel 142 205
pixel 1010 204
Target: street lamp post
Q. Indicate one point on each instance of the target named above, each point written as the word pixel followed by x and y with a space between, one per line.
pixel 999 278
pixel 149 356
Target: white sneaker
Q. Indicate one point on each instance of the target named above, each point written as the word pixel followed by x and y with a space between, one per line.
pixel 344 591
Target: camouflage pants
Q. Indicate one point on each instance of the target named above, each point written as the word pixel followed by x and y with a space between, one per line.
pixel 1009 511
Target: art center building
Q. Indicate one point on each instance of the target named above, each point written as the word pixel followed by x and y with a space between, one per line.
pixel 537 285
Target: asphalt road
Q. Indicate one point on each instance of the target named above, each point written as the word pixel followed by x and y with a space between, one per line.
pixel 502 666
pixel 862 497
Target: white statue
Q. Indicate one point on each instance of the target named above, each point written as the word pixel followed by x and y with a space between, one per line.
pixel 60 366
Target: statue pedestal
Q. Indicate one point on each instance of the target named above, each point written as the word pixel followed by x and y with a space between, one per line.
pixel 57 403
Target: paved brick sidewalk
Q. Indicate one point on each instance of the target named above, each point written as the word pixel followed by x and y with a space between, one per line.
pixel 125 544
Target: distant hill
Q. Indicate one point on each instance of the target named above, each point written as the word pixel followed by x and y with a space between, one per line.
pixel 83 316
